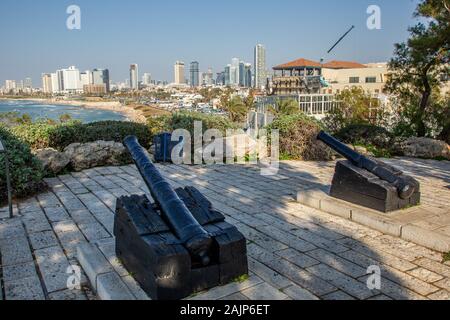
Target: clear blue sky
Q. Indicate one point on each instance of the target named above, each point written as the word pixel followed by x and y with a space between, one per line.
pixel 154 34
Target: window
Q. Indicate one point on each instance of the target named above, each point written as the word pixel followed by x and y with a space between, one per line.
pixel 354 80
pixel 371 79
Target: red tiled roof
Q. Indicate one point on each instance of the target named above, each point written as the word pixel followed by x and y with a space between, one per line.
pixel 343 65
pixel 299 63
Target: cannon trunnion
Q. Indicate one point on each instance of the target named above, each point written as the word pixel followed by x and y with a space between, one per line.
pixel 370 183
pixel 177 244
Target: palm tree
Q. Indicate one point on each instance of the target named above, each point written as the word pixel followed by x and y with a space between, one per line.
pixel 285 107
pixel 236 109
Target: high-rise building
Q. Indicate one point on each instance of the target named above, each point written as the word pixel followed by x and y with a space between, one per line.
pixel 208 78
pixel 234 72
pixel 47 86
pixel 194 74
pixel 227 75
pixel 247 75
pixel 134 77
pixel 147 79
pixel 10 85
pixel 28 83
pixel 101 76
pixel 179 72
pixel 69 80
pixel 86 78
pixel 260 67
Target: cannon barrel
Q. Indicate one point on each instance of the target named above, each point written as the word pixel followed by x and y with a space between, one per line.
pixel 405 188
pixel 194 237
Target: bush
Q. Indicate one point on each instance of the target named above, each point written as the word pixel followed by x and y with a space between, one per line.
pixel 26 171
pixel 186 120
pixel 355 107
pixel 366 135
pixel 298 138
pixel 58 136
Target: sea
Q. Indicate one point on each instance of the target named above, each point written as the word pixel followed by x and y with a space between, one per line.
pixel 54 111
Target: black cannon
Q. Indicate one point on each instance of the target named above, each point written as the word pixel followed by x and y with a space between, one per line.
pixel 368 182
pixel 178 244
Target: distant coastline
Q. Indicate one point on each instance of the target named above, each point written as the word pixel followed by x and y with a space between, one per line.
pixel 129 112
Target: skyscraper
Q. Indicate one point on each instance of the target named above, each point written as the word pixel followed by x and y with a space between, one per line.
pixel 134 77
pixel 227 75
pixel 69 80
pixel 101 76
pixel 260 66
pixel 234 72
pixel 194 74
pixel 247 75
pixel 146 79
pixel 179 72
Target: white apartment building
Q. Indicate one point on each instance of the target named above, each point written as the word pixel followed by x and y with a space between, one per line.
pixel 259 71
pixel 179 72
pixel 69 80
pixel 10 85
pixel 134 77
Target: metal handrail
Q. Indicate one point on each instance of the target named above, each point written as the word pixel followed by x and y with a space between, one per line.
pixel 8 178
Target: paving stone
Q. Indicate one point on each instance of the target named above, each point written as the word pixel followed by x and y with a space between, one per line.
pixel 53 266
pixel 24 289
pixel 268 275
pixel 41 240
pixel 82 216
pixel 341 281
pixel 36 222
pixel 434 266
pixel 444 284
pixel 288 239
pixel 15 251
pixel 19 271
pixel 440 295
pixel 337 296
pixel 93 231
pixel 66 295
pixel 227 290
pixel 297 293
pixel 69 235
pixel 56 214
pixel 338 263
pixel 235 297
pixel 111 287
pixel 264 291
pixel 297 258
pixel 381 297
pixel 93 263
pixel 11 229
pixel 425 275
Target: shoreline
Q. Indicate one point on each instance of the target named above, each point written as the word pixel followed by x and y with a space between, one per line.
pixel 130 113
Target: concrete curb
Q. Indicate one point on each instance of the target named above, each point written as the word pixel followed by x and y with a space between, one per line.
pixel 105 281
pixel 320 200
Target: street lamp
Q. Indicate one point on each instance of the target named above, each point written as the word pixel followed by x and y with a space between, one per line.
pixel 8 178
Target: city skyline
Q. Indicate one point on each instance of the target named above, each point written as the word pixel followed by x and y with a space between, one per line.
pixel 156 44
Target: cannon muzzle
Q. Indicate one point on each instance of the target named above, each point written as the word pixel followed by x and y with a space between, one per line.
pixel 194 237
pixel 405 189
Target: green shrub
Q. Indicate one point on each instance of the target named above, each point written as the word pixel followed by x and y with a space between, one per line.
pixel 366 135
pixel 26 171
pixel 186 120
pixel 58 136
pixel 298 138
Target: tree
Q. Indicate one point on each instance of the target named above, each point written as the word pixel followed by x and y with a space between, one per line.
pixel 236 109
pixel 417 66
pixel 356 107
pixel 285 107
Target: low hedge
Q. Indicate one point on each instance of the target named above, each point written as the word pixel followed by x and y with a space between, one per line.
pixel 27 172
pixel 366 135
pixel 298 138
pixel 41 135
pixel 186 120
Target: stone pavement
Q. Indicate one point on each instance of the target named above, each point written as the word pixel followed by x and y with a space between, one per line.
pixel 295 251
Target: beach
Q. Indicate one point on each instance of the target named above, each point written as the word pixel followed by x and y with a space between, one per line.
pixel 129 112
